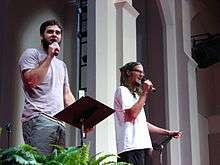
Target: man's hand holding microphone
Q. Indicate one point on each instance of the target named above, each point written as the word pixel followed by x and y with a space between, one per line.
pixel 53 49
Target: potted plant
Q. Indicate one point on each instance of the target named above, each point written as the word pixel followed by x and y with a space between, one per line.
pixel 25 154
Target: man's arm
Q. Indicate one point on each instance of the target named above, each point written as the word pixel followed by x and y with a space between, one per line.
pixel 68 97
pixel 154 129
pixel 33 77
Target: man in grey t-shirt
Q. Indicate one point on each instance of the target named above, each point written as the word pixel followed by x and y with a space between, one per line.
pixel 46 89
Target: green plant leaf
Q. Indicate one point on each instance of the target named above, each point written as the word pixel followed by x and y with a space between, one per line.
pixel 123 163
pixel 95 161
pixel 33 150
pixel 84 155
pixel 27 155
pixel 53 162
pixel 17 155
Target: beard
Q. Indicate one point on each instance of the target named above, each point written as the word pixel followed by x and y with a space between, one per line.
pixel 45 43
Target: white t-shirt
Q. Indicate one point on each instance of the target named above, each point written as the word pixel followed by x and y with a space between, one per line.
pixel 46 97
pixel 129 136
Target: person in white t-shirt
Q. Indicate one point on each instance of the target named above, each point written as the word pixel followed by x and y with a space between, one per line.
pixel 132 129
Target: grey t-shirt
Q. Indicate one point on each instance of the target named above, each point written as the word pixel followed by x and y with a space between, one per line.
pixel 46 97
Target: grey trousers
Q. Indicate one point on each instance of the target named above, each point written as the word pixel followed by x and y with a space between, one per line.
pixel 41 132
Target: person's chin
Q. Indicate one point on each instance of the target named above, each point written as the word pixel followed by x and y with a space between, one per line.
pixel 138 83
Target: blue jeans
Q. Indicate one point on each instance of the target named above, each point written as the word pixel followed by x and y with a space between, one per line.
pixel 41 132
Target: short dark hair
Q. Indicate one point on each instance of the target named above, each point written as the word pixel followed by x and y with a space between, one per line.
pixel 47 23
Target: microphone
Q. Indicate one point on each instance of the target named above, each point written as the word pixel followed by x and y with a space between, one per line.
pixel 152 88
pixel 56 51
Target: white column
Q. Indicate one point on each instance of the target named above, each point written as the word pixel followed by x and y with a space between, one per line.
pixel 105 71
pixel 194 116
pixel 126 16
pixel 192 86
pixel 112 42
pixel 171 82
pixel 174 155
pixel 126 32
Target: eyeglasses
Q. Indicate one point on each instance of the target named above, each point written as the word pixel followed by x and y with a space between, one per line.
pixel 136 70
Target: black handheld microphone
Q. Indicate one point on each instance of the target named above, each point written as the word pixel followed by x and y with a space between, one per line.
pixel 152 88
pixel 56 52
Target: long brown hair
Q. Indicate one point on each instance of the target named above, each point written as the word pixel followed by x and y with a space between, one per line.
pixel 124 77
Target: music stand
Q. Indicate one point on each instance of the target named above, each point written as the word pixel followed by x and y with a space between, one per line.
pixel 160 146
pixel 84 113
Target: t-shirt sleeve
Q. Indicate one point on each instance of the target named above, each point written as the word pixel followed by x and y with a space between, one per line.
pixel 28 59
pixel 118 100
pixel 123 99
pixel 122 102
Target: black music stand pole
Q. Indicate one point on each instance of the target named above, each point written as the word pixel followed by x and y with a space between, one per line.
pixel 8 129
pixel 82 133
pixel 159 147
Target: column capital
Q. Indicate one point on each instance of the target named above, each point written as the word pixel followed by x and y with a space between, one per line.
pixel 118 1
pixel 126 4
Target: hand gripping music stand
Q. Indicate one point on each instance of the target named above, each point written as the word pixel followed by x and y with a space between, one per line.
pixel 84 113
pixel 160 146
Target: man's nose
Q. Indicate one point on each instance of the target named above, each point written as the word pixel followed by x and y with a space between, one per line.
pixel 54 33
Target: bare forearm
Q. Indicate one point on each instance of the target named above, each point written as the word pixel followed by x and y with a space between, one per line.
pixel 68 97
pixel 69 100
pixel 136 108
pixel 154 129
